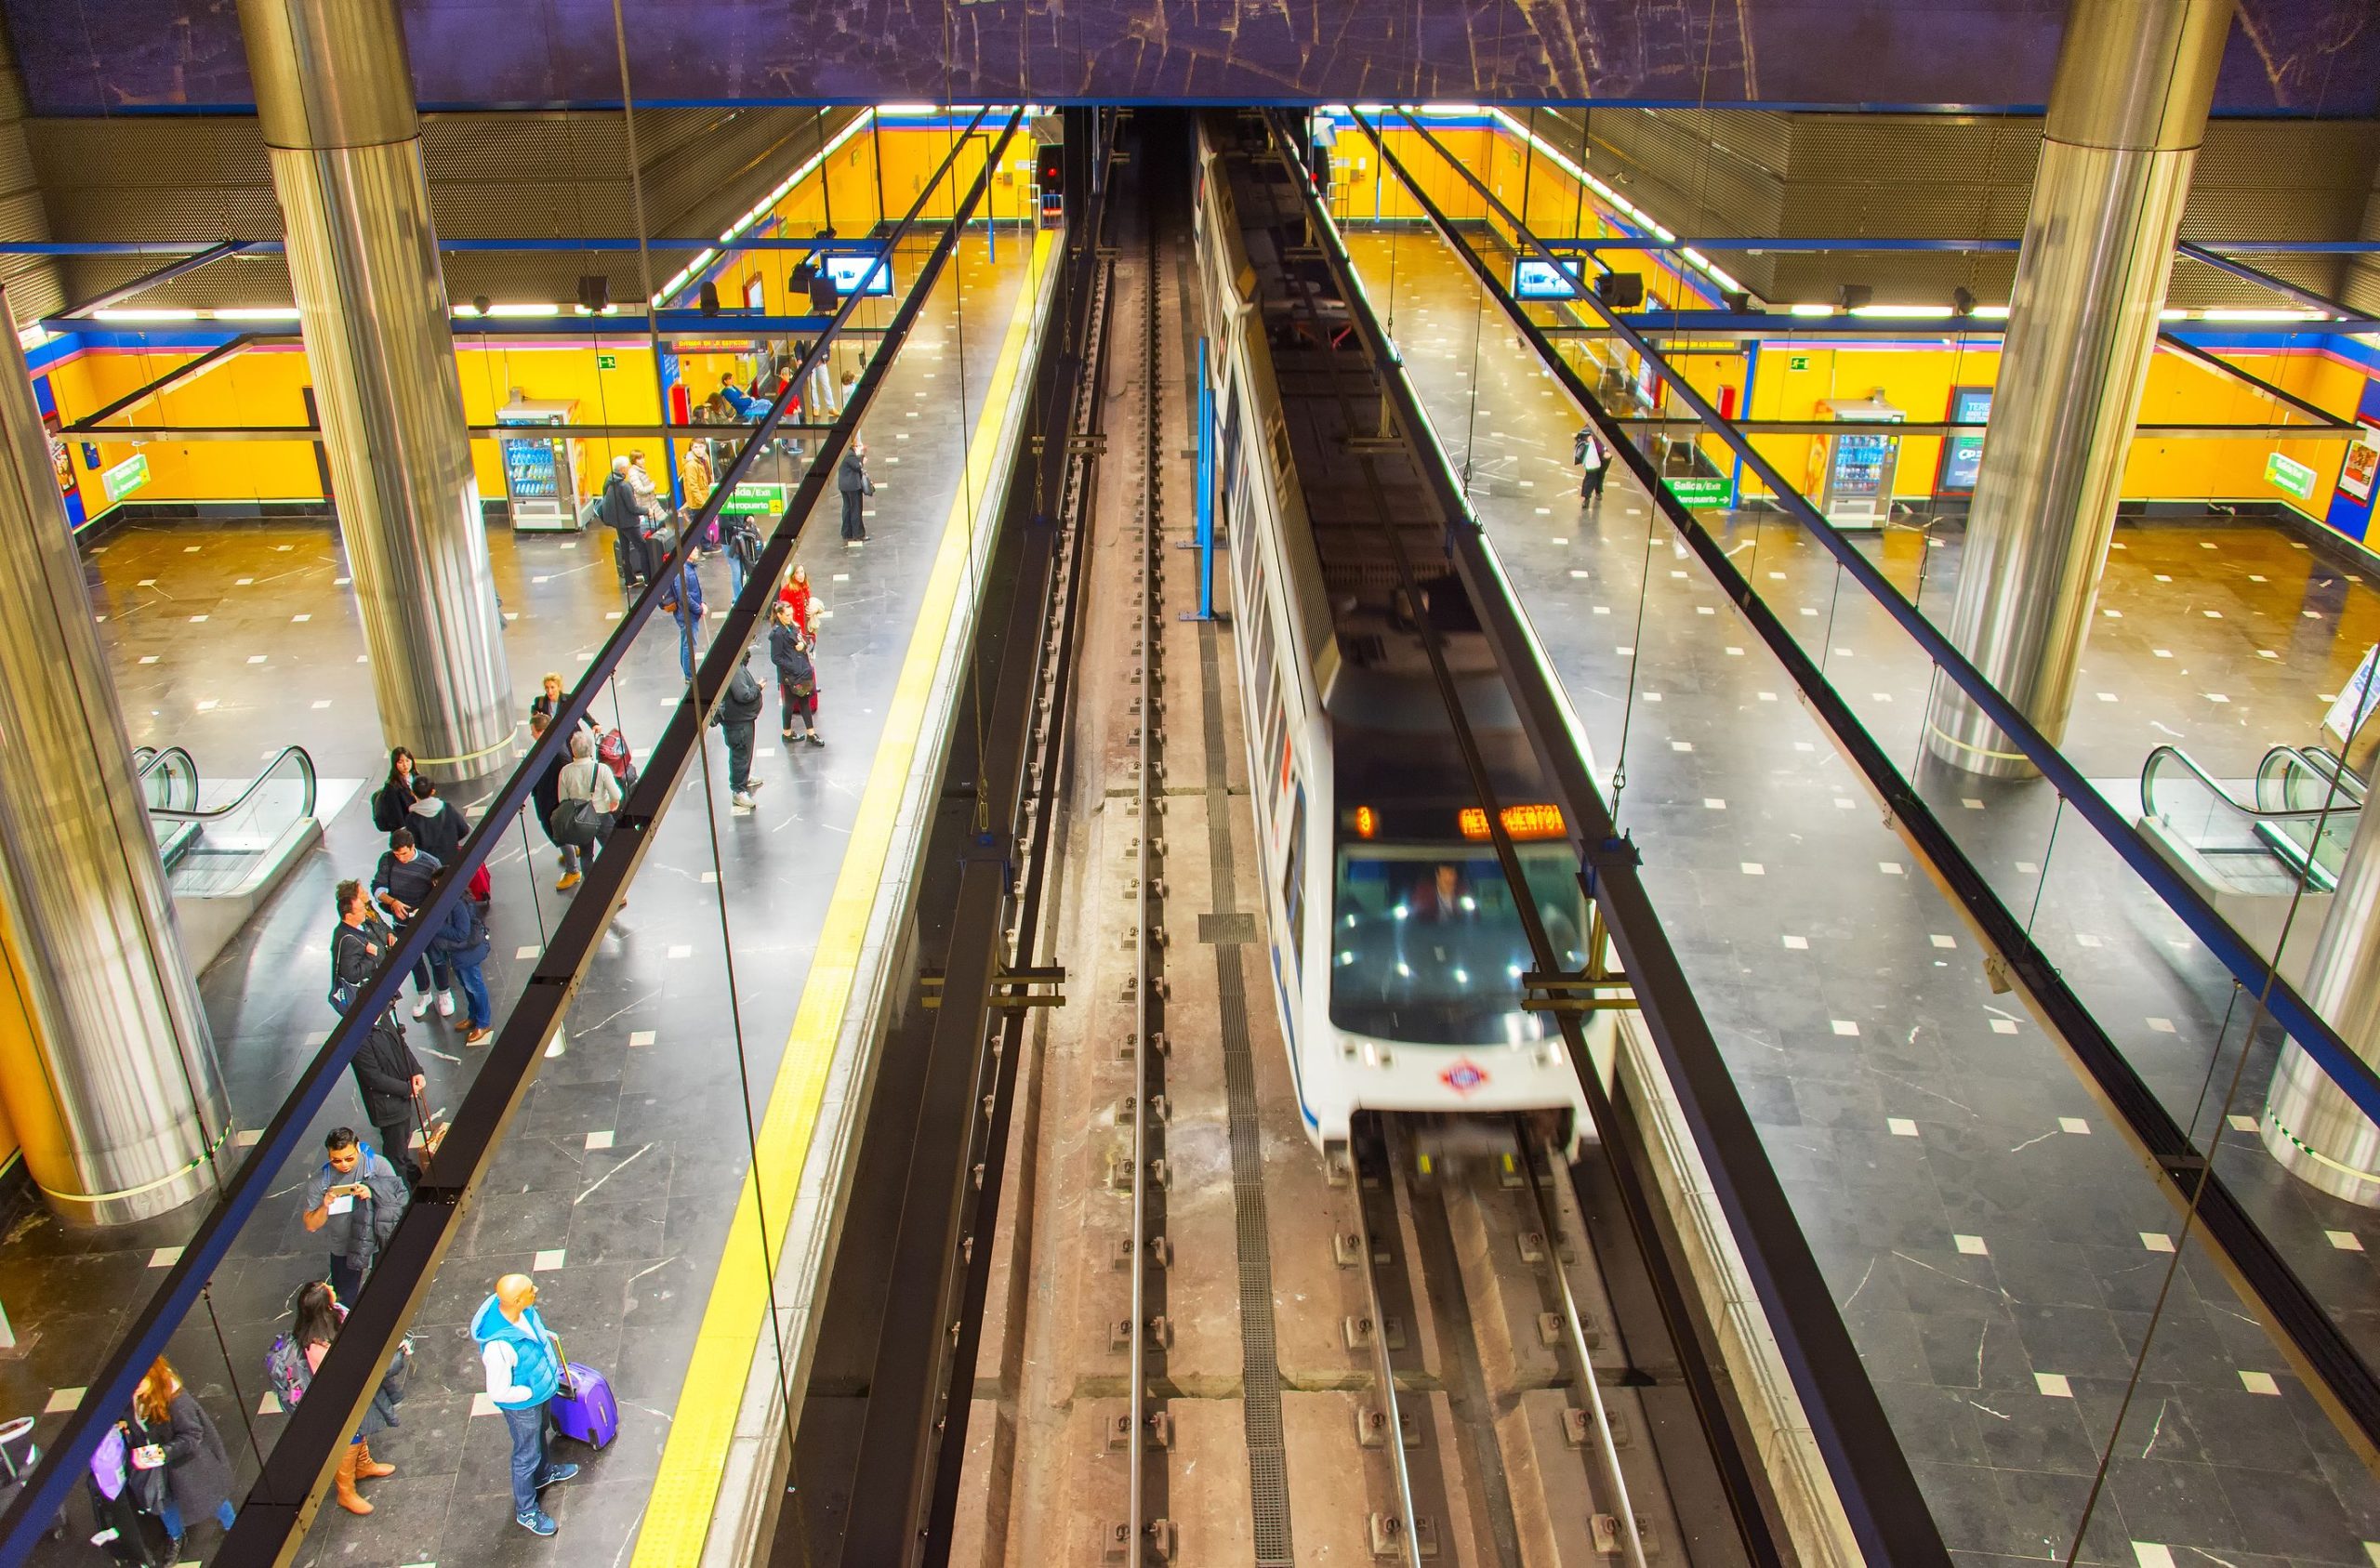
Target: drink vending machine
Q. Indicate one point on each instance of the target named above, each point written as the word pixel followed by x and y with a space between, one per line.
pixel 1854 477
pixel 541 479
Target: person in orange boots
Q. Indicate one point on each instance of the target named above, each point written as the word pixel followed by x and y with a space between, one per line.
pixel 298 1356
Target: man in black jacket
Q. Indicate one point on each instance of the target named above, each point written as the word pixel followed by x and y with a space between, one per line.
pixel 403 885
pixel 739 709
pixel 357 945
pixel 388 1076
pixel 618 509
pixel 853 482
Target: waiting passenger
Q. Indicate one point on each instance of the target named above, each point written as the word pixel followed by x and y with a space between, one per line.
pixel 684 599
pixel 356 946
pixel 852 480
pixel 523 1363
pixel 1593 458
pixel 796 593
pixel 544 796
pixel 586 798
pixel 741 403
pixel 739 710
pixel 647 491
pixel 393 801
pixel 461 940
pixel 170 1430
pixel 357 1197
pixel 403 884
pixel 797 676
pixel 439 829
pixel 319 1316
pixel 620 513
pixel 550 698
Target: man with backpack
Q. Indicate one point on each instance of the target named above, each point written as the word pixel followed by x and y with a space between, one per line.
pixel 739 709
pixel 1593 458
pixel 682 597
pixel 741 542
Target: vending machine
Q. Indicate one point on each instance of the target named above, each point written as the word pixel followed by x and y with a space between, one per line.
pixel 1854 469
pixel 540 468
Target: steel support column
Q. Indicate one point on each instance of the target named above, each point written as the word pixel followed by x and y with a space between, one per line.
pixel 117 1097
pixel 2309 1124
pixel 2127 110
pixel 334 99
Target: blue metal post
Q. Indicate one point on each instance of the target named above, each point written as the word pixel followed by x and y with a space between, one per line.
pixel 1736 480
pixel 1206 490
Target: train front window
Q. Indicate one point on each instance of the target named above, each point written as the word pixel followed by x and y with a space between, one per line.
pixel 1426 945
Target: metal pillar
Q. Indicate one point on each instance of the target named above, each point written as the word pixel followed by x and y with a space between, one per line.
pixel 2309 1124
pixel 2126 112
pixel 115 1090
pixel 335 98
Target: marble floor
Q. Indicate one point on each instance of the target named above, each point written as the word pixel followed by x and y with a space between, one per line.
pixel 616 1179
pixel 1999 1252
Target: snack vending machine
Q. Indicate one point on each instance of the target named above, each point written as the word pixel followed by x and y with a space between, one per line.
pixel 540 468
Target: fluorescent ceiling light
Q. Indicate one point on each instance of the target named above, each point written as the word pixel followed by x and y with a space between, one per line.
pixel 526 309
pixel 31 338
pixel 1813 309
pixel 2170 314
pixel 703 259
pixel 257 313
pixel 1905 312
pixel 2228 313
pixel 1992 312
pixel 145 315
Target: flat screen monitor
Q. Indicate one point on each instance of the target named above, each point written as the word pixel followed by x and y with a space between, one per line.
pixel 849 271
pixel 1534 279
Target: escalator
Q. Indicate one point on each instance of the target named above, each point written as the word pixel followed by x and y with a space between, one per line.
pixel 2249 855
pixel 227 844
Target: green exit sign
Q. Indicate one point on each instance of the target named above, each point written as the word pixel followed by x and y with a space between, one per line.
pixel 607 361
pixel 1797 362
pixel 126 476
pixel 754 500
pixel 1698 490
pixel 2287 473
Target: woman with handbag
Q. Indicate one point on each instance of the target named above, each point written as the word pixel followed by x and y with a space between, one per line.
pixel 797 676
pixel 174 1440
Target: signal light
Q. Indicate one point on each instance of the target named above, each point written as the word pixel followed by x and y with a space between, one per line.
pixel 1537 820
pixel 1367 821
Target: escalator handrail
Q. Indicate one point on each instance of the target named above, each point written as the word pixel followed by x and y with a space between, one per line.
pixel 2331 770
pixel 216 814
pixel 151 759
pixel 2239 807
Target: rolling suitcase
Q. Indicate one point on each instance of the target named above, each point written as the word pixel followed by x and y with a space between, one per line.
pixel 585 1410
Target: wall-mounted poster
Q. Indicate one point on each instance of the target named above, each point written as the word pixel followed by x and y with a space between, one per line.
pixel 2362 463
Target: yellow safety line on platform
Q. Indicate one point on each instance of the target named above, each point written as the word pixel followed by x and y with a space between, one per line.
pixel 686 1492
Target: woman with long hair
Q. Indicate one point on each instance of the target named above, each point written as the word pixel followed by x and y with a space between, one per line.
pixel 394 800
pixel 320 1317
pixel 170 1430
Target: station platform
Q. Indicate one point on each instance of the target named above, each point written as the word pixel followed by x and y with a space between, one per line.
pixel 1989 1230
pixel 619 1181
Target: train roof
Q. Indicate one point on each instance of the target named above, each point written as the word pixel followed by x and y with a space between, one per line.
pixel 1331 406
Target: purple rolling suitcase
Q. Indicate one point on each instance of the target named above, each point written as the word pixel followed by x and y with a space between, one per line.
pixel 584 1409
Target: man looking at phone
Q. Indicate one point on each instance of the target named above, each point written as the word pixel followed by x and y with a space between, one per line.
pixel 357 1197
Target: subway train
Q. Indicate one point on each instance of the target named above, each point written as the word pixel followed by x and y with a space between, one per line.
pixel 1395 946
